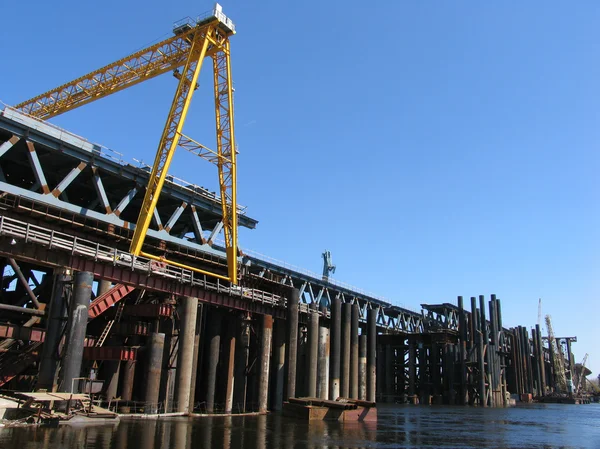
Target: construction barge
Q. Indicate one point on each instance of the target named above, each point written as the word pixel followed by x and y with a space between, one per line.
pixel 341 410
pixel 54 409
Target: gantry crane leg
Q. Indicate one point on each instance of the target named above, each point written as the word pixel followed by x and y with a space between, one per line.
pixel 226 151
pixel 170 137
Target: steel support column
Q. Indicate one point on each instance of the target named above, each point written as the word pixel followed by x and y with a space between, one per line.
pixel 362 367
pixel 241 363
pixel 265 353
pixel 54 330
pixel 188 309
pixel 279 354
pixel 103 286
pixel 345 374
pixel 127 387
pixel 354 352
pixel 371 354
pixel 197 332
pixel 229 363
pixel 292 341
pixel 111 370
pixel 76 327
pixel 335 329
pixel 313 354
pixel 213 358
pixel 323 365
pixel 156 346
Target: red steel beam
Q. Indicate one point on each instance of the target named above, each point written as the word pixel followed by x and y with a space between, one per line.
pixel 108 299
pixel 31 334
pixel 53 258
pixel 145 311
pixel 128 328
pixel 22 333
pixel 110 353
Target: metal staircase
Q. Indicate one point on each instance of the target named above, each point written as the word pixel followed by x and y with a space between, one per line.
pixel 106 300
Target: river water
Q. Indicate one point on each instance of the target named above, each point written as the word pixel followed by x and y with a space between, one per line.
pixel 536 426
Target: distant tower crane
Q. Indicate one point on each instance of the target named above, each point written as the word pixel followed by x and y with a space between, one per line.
pixel 559 360
pixel 194 40
pixel 328 266
pixel 581 377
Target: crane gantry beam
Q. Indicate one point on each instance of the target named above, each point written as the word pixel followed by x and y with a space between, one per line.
pixel 192 43
pixel 143 65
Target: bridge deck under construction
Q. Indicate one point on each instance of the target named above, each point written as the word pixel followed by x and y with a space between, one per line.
pixel 163 335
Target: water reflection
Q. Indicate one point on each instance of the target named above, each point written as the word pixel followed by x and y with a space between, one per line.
pixel 408 427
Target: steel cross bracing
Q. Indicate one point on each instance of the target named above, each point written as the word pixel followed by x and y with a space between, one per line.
pixel 94 182
pixel 20 236
pixel 24 233
pixel 319 293
pixel 441 316
pixel 194 40
pixel 183 212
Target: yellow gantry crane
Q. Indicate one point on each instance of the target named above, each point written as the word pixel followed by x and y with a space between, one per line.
pixel 194 40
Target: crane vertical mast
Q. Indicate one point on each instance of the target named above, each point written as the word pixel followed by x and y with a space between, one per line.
pixel 195 39
pixel 559 359
pixel 226 151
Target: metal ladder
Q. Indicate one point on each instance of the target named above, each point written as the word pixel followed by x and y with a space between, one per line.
pixel 109 325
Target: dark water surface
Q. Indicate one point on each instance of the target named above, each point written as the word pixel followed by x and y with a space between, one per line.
pixel 539 426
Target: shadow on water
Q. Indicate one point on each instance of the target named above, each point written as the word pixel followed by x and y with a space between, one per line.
pixel 542 426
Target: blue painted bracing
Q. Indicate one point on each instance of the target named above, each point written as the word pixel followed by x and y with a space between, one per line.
pixel 110 191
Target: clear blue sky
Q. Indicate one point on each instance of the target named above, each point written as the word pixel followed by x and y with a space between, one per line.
pixel 435 148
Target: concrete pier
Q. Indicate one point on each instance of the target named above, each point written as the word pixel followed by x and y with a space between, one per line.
pixel 362 367
pixel 214 330
pixel 335 331
pixel 127 384
pixel 111 369
pixel 323 365
pixel 195 361
pixel 154 362
pixel 241 363
pixel 229 346
pixel 76 326
pixel 313 354
pixel 265 353
pixel 279 364
pixel 346 326
pixel 188 309
pixel 451 355
pixel 354 352
pixel 371 354
pixel 292 341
